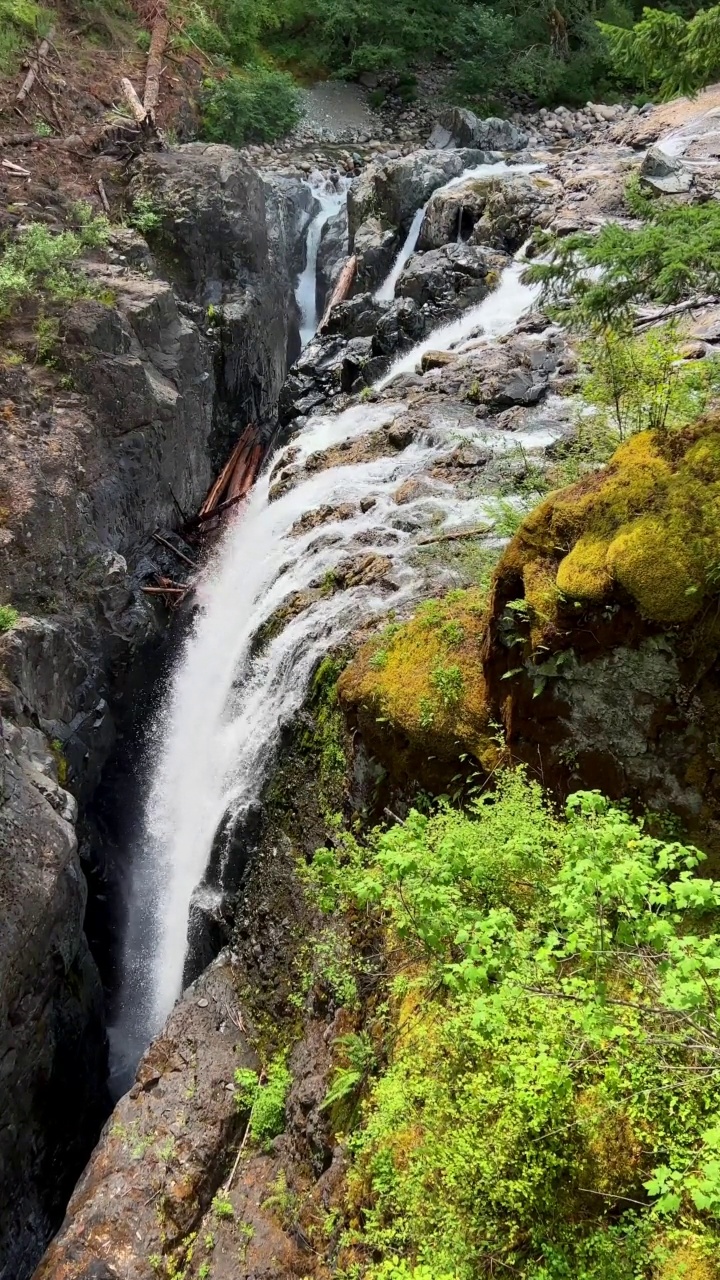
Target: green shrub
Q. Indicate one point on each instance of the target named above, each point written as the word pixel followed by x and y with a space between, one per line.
pixel 41 261
pixel 551 1104
pixel 253 105
pixel 8 617
pixel 264 1099
pixel 641 383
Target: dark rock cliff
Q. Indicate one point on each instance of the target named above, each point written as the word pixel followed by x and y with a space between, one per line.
pixel 125 441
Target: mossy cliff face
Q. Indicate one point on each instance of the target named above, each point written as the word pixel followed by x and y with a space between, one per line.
pixel 600 657
pixel 595 659
pixel 417 692
pixel 646 529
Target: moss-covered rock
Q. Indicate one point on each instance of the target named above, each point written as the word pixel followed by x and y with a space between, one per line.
pixel 418 693
pixel 647 527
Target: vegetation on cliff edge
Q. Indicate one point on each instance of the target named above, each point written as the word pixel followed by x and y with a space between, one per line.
pixel 545 1100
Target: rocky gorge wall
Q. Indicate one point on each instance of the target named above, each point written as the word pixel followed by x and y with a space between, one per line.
pixel 121 439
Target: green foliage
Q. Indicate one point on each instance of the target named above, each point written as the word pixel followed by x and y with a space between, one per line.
pixel 263 1097
pixel 551 1105
pixel 146 214
pixel 597 279
pixel 448 683
pixel 8 617
pixel 40 261
pixel 641 382
pixel 360 1058
pixel 21 21
pixel 667 53
pixel 222 1207
pixel 256 104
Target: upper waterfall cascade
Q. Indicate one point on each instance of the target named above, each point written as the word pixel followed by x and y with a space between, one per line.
pixel 496 169
pixel 226 703
pixel 330 198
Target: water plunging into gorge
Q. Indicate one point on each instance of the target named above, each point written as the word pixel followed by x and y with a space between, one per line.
pixel 226 704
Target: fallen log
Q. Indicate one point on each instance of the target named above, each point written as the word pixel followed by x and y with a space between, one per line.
pixel 217 491
pixel 158 40
pixel 341 290
pixel 29 80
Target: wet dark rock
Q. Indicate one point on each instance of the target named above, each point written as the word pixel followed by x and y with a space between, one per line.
pixel 393 190
pixel 375 246
pixel 332 255
pixel 452 278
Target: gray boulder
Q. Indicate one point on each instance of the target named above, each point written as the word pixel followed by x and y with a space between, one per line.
pixel 458 127
pixel 452 278
pixel 664 173
pixel 332 255
pixel 394 190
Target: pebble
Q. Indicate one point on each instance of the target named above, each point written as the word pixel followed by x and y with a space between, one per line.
pixel 203 1004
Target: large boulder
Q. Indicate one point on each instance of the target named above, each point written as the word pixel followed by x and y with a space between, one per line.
pixel 499 211
pixel 332 256
pixel 665 174
pixel 393 190
pixel 452 278
pixel 458 127
pixel 165 1148
pixel 375 247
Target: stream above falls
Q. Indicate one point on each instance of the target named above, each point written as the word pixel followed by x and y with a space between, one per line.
pixel 214 740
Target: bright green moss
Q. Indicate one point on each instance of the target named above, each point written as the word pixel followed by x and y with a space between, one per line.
pixel 649 524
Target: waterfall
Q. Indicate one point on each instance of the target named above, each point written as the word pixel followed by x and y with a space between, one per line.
pixel 331 200
pixel 497 169
pixel 386 292
pixel 224 709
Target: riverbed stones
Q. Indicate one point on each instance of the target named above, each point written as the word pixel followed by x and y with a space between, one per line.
pixel 665 174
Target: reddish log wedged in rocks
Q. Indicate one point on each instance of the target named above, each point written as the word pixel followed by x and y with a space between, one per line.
pixel 341 290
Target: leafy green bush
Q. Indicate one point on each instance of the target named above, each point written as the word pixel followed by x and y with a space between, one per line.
pixel 40 261
pixel 253 105
pixel 551 1103
pixel 264 1098
pixel 8 617
pixel 641 383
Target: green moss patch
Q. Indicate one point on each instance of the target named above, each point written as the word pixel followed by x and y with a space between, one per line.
pixel 649 524
pixel 423 678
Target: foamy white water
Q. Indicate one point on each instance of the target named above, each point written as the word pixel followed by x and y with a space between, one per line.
pixel 331 201
pixel 225 707
pixel 494 317
pixel 497 169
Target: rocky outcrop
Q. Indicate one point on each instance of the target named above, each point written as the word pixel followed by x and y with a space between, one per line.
pixel 52 1044
pixel 458 127
pixel 215 211
pixel 332 255
pixel 614 650
pixel 166 1146
pixel 498 211
pixel 395 189
pixel 119 437
pixel 445 281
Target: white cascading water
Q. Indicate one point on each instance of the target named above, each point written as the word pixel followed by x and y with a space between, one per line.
pixel 225 706
pixel 331 200
pixel 498 169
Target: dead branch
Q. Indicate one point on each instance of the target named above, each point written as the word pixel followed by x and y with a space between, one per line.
pixel 15 168
pixel 134 103
pixel 103 196
pixel 29 80
pixel 646 319
pixel 341 290
pixel 158 40
pixel 180 554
